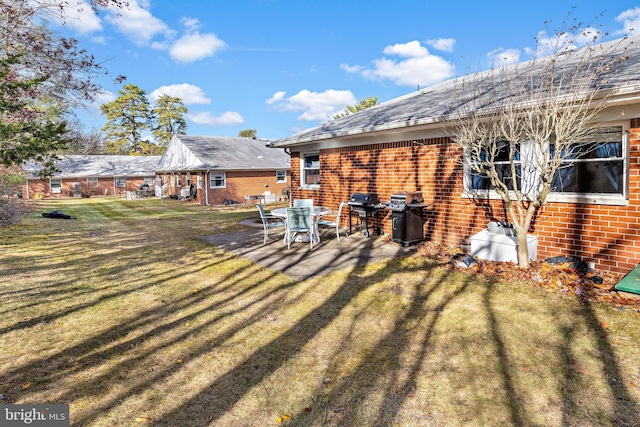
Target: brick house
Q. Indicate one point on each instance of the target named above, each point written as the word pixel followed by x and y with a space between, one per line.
pixel 108 174
pixel 222 169
pixel 404 144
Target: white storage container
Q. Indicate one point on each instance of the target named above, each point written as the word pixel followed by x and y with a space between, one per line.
pixel 498 247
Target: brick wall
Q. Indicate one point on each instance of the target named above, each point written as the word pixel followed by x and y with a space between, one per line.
pixel 238 185
pixel 604 234
pixel 105 186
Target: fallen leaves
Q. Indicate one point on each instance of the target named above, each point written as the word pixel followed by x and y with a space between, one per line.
pixel 563 278
pixel 282 418
pixel 143 420
pixel 578 369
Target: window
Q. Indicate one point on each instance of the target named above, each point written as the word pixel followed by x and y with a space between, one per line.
pixel 121 182
pixel 598 167
pixel 480 181
pixel 199 180
pixel 217 180
pixel 188 178
pixel 311 169
pixel 178 180
pixel 92 182
pixel 55 185
pixel 149 180
pixel 281 176
pixel 592 172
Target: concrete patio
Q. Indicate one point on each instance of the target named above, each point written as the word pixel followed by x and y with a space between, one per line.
pixel 300 262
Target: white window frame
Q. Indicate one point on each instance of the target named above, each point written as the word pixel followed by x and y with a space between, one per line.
pixel 199 184
pixel 178 178
pixel 149 180
pixel 121 182
pixel 281 177
pixel 530 176
pixel 92 181
pixel 221 176
pixel 304 169
pixel 57 187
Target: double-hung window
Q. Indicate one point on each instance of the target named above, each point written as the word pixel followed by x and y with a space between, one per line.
pixel 55 185
pixel 595 167
pixel 310 170
pixel 121 181
pixel 500 159
pixel 217 180
pixel 281 177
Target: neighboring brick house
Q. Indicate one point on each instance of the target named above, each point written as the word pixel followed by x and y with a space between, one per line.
pixel 404 144
pixel 223 169
pixel 102 174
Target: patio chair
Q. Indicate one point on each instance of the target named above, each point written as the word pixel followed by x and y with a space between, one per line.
pixel 332 223
pixel 299 221
pixel 302 203
pixel 268 222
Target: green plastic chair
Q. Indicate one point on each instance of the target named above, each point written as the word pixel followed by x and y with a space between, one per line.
pixel 299 221
pixel 268 224
pixel 322 221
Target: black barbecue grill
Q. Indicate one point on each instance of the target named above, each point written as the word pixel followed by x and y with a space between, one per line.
pixel 406 217
pixel 365 206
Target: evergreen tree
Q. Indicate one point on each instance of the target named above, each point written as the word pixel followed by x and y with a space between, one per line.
pixel 169 117
pixel 248 133
pixel 127 117
pixel 363 104
pixel 27 131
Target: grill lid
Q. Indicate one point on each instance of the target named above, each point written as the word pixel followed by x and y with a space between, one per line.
pixel 363 199
pixel 407 197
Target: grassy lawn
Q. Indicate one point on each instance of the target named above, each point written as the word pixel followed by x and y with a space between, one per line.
pixel 131 319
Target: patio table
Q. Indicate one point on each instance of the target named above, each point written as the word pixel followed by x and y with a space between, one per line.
pixel 316 212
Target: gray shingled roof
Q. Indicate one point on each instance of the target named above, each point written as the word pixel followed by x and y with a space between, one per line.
pixel 187 152
pixel 433 104
pixel 77 166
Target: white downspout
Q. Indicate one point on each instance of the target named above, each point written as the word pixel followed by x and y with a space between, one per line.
pixel 206 187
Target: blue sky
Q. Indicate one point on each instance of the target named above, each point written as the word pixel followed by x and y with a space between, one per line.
pixel 280 66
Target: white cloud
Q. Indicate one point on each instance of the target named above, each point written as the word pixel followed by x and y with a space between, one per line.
pixel 351 68
pixel 195 46
pixel 99 98
pixel 79 16
pixel 445 45
pixel 314 106
pixel 501 57
pixel 630 20
pixel 190 94
pixel 104 97
pixel 413 49
pixel 548 45
pixel 278 96
pixel 137 22
pixel 230 118
pixel 419 67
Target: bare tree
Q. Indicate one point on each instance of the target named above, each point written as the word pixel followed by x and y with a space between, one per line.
pixel 521 125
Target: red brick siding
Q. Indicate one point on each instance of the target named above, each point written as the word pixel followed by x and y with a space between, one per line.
pixel 606 235
pixel 105 186
pixel 238 185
